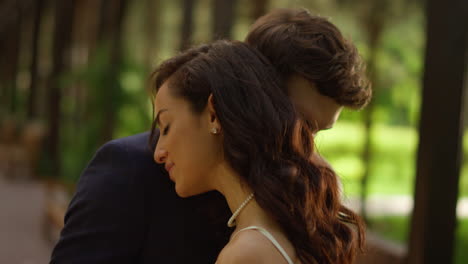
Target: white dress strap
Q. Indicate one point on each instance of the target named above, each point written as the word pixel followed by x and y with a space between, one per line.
pixel 270 237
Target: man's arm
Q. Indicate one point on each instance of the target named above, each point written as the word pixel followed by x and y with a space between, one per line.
pixel 104 222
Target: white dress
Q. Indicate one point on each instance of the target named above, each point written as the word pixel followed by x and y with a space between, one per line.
pixel 270 237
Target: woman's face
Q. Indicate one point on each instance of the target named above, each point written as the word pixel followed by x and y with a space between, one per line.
pixel 187 145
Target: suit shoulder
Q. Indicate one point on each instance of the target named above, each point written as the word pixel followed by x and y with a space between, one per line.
pixel 134 149
pixel 124 160
pixel 138 143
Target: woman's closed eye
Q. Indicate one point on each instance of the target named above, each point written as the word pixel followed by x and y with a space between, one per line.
pixel 165 130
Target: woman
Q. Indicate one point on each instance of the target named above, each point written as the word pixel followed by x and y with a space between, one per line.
pixel 226 125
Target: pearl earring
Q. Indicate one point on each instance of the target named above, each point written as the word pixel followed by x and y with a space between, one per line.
pixel 214 131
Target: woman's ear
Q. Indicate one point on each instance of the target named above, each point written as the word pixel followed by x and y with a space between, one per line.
pixel 214 121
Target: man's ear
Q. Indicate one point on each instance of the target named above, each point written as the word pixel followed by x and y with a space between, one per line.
pixel 214 121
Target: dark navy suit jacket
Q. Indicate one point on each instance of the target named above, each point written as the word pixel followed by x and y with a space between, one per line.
pixel 125 210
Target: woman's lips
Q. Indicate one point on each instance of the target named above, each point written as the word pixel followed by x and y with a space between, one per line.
pixel 168 168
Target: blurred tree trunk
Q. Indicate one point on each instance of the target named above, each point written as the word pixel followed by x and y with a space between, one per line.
pixel 187 24
pixel 112 16
pixel 85 38
pixel 440 150
pixel 466 111
pixel 91 12
pixel 60 62
pixel 259 8
pixel 223 18
pixel 151 29
pixel 10 34
pixel 37 11
pixel 374 24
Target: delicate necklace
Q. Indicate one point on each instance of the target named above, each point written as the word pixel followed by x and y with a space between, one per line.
pixel 232 220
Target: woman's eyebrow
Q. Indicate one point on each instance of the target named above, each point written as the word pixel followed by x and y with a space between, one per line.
pixel 158 114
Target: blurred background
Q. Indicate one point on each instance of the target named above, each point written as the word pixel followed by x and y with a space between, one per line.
pixel 74 75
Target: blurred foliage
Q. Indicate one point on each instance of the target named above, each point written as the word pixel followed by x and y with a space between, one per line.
pixel 394 166
pixel 82 120
pixel 399 63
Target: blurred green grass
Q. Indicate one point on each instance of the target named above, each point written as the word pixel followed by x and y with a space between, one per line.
pixel 393 162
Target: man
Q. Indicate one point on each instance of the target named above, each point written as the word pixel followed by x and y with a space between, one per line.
pixel 322 70
pixel 125 209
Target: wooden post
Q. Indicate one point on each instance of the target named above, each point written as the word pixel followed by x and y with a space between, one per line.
pixel 31 108
pixel 60 61
pixel 259 8
pixel 223 18
pixel 113 13
pixel 441 131
pixel 187 24
pixel 10 34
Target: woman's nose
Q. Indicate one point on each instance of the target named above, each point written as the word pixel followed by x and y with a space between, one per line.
pixel 160 155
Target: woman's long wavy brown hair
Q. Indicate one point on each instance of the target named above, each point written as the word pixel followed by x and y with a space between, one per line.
pixel 268 144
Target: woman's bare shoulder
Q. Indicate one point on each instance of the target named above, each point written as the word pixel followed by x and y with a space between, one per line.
pixel 250 246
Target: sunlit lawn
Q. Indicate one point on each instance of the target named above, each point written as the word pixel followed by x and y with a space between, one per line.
pixel 393 160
